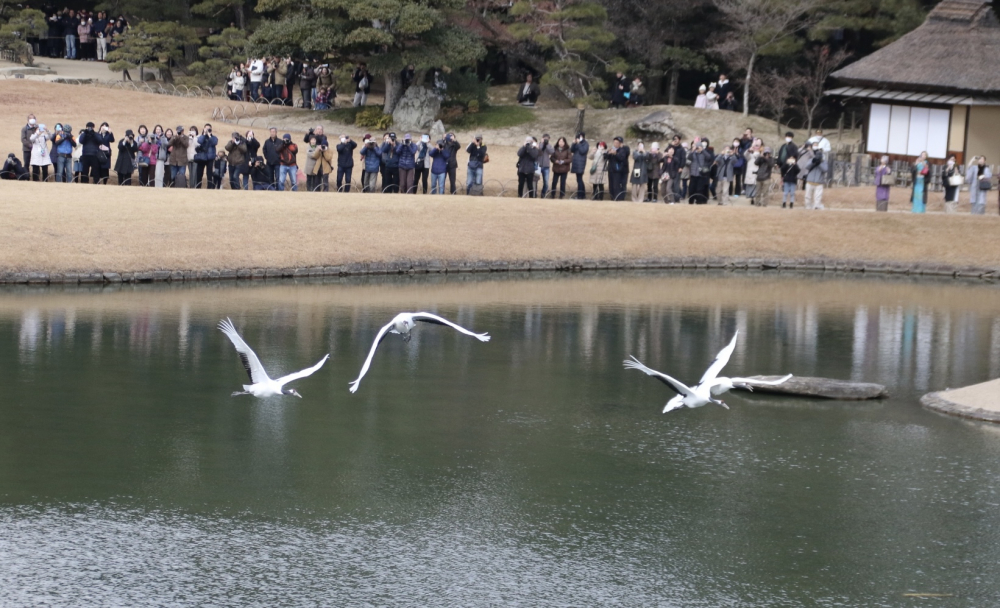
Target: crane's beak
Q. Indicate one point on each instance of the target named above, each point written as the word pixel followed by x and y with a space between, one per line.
pixel 723 404
pixel 300 396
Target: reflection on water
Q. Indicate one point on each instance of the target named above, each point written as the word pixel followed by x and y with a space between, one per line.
pixel 529 470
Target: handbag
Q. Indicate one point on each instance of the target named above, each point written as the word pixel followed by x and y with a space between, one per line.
pixel 985 183
pixel 593 167
pixel 486 158
pixel 637 173
pixel 956 180
pixel 889 179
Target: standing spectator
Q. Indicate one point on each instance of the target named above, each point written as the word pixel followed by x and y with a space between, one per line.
pixel 237 82
pixel 978 177
pixel 920 172
pixel 680 159
pixel 69 25
pixel 423 162
pixel 670 172
pixel 307 81
pixel 711 97
pixel 599 171
pixel 219 169
pixel 372 156
pixel 724 171
pixel 617 168
pixel 618 90
pixel 100 34
pixel 765 164
pixel 125 165
pixel 653 171
pixel 636 93
pixel 62 149
pixel 953 180
pixel 882 184
pixel 145 157
pixel 750 179
pixel 528 94
pixel 826 147
pixel 640 177
pixel 256 77
pixel 288 171
pixel 701 167
pixel 157 155
pixel 324 80
pixel 192 153
pixel 789 148
pixel 406 152
pixel 104 151
pixel 441 154
pixel 561 159
pixel 40 158
pixel 390 164
pixel 281 80
pixel 178 159
pixel 477 161
pixel 89 165
pixel 312 146
pixel 272 154
pixel 789 178
pixel 165 179
pixel 816 178
pixel 724 88
pixel 729 103
pixel 451 143
pixel 27 132
pixel 323 156
pixel 345 163
pixel 581 153
pixel 701 102
pixel 545 151
pixel 253 147
pixel 236 157
pixel 83 34
pixel 205 156
pixel 527 155
pixel 362 84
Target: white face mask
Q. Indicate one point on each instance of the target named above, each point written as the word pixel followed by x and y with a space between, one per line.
pixel 31 121
pixel 951 163
pixel 788 140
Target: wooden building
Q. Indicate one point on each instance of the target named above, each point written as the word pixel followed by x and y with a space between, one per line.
pixel 936 89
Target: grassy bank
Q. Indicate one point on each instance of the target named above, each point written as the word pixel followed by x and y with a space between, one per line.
pixel 84 228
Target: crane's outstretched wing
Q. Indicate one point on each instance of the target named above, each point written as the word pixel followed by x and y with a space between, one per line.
pixel 427 317
pixel 382 333
pixel 250 361
pixel 675 385
pixel 302 374
pixel 721 360
pixel 753 381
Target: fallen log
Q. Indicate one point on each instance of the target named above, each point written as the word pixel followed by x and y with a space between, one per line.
pixel 823 388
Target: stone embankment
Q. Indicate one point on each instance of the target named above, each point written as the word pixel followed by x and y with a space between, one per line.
pixel 978 401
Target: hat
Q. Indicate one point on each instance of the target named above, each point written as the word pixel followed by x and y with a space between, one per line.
pixel 702 88
pixel 67 128
pixel 286 136
pixel 407 136
pixel 179 128
pixel 367 136
pixel 440 142
pixel 655 145
pixel 129 133
pixel 90 125
pixel 479 136
pixel 618 138
pixel 767 150
pixel 392 135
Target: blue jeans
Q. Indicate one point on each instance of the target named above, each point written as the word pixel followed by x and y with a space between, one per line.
pixel 175 171
pixel 71 47
pixel 788 192
pixel 254 90
pixel 474 177
pixel 545 181
pixel 290 173
pixel 64 168
pixel 437 183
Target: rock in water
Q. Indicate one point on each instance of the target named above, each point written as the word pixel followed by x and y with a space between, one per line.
pixel 825 388
pixel 416 110
pixel 660 122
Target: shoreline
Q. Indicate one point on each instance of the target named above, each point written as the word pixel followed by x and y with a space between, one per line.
pixel 975 402
pixel 987 274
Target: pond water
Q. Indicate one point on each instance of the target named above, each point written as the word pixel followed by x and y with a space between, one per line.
pixel 530 470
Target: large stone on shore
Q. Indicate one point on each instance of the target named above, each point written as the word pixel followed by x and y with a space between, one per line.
pixel 660 123
pixel 824 388
pixel 416 110
pixel 437 131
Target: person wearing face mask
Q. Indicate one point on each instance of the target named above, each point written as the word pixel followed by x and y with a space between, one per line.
pixel 424 162
pixel 40 158
pixel 953 180
pixel 789 148
pixel 739 169
pixel 724 172
pixel 345 163
pixel 979 179
pixel 816 177
pixel 789 179
pixel 27 131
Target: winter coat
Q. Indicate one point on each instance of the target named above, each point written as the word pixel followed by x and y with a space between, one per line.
pixel 307 79
pixel 126 156
pixel 310 159
pixel 63 144
pixel 280 73
pixel 817 169
pixel 389 156
pixel 178 151
pixel 40 150
pixel 192 149
pixel 526 157
pixel 639 175
pixel 373 158
pixel 26 132
pixel 700 164
pixel 104 156
pixel 150 149
pixel 90 142
pixel 671 167
pixel 581 151
pixel 236 154
pixel 790 173
pixel 207 145
pixel 287 154
pixel 345 154
pixel 618 160
pixel 725 163
pixel 561 160
pixel 786 150
pixel 441 158
pixel 271 147
pixel 653 160
pixel 324 161
pixel 750 157
pixel 452 146
pixel 764 166
pixel 252 147
pixel 83 31
pixel 360 75
pixel 407 155
pixel 476 156
pixel 545 151
pixel 600 174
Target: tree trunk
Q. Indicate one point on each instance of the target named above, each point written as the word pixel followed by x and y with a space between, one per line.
pixel 675 80
pixel 746 85
pixel 393 91
pixel 241 19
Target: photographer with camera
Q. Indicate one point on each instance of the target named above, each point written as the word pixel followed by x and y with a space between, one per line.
pixel 441 154
pixel 125 165
pixel 289 167
pixel 477 161
pixel 204 157
pixel 390 164
pixel 192 153
pixel 407 153
pixel 527 155
pixel 90 143
pixel 40 159
pixel 236 157
pixel 363 84
pixel 63 143
pixel 345 163
pixel 323 157
pixel 453 147
pixel 177 158
pixel 260 173
pixel 372 156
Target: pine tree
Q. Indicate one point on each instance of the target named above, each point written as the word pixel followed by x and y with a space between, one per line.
pixel 218 56
pixel 152 44
pixel 14 33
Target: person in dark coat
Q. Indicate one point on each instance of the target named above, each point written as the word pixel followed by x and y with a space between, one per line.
pixel 581 154
pixel 125 165
pixel 618 90
pixel 617 157
pixel 345 162
pixel 528 94
pixel 272 154
pixel 307 80
pixel 724 88
pixel 787 149
pixel 362 84
pixel 527 155
pixel 204 157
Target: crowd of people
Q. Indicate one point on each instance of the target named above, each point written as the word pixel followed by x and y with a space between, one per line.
pixel 82 35
pixel 693 172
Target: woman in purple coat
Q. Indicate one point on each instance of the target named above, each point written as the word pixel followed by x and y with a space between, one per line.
pixel 881 185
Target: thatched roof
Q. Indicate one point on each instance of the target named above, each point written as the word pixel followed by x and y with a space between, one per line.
pixel 954 51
